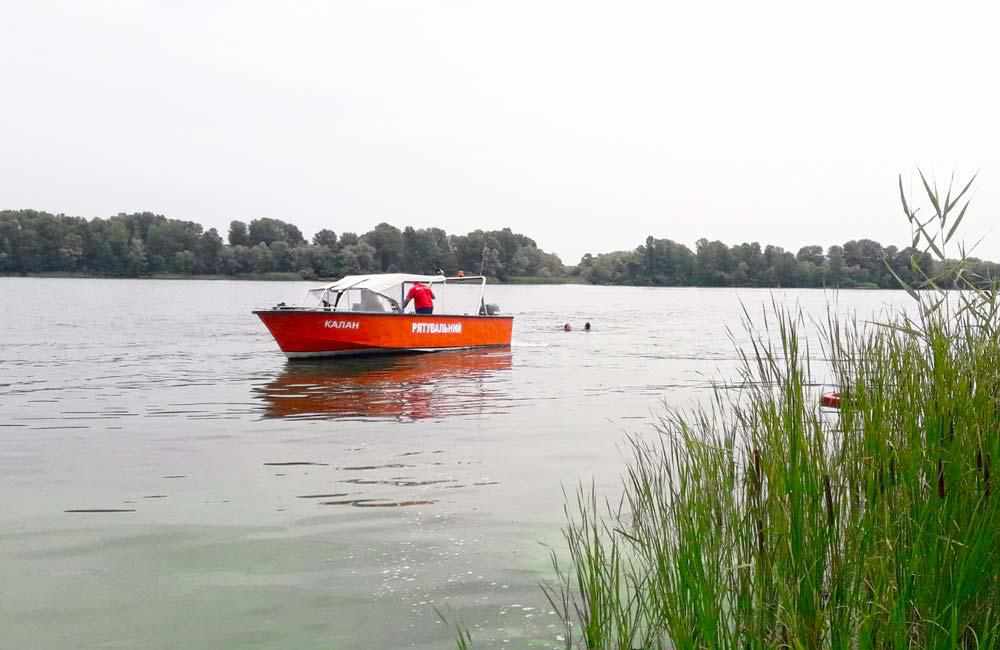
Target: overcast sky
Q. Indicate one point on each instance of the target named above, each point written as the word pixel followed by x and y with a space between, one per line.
pixel 586 126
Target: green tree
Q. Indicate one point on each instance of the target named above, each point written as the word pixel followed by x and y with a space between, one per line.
pixel 420 251
pixel 326 238
pixel 136 261
pixel 813 254
pixel 492 264
pixel 835 266
pixel 208 252
pixel 70 252
pixel 551 265
pixel 263 262
pixel 469 250
pixel 183 262
pixel 238 235
pixel 713 262
pixel 119 241
pixel 387 241
pixel 446 259
pixel 669 264
pixel 281 257
pixel 246 259
pixel 307 261
pixel 526 261
pixel 268 231
pixel 165 238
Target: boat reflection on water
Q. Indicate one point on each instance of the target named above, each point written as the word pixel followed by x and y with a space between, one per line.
pixel 409 387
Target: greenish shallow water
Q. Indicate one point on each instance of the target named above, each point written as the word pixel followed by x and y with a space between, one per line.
pixel 263 504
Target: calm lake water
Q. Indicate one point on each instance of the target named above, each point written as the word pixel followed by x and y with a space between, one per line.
pixel 254 503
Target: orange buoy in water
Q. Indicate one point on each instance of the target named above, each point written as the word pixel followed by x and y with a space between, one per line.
pixel 830 400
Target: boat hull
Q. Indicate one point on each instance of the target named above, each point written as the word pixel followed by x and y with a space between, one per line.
pixel 320 333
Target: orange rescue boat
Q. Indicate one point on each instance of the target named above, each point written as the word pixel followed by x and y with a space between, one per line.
pixel 361 314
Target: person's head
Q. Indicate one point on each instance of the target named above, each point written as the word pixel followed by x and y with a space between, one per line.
pixel 586 326
pixel 567 327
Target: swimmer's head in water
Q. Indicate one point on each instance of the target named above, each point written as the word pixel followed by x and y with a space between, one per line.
pixel 567 327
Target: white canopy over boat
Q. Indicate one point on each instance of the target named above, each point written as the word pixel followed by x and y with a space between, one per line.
pixel 378 282
pixel 382 291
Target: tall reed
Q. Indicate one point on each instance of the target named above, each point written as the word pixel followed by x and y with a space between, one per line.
pixel 758 521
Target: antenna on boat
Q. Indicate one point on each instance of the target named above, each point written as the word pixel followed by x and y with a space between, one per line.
pixel 482 272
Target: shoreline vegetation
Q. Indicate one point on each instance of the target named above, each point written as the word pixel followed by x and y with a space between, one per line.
pixel 148 245
pixel 274 276
pixel 760 520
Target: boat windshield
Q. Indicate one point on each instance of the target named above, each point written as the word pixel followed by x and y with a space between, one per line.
pixel 365 300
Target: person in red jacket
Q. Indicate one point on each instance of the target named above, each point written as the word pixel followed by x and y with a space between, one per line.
pixel 422 297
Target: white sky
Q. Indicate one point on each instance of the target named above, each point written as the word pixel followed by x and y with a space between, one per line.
pixel 586 126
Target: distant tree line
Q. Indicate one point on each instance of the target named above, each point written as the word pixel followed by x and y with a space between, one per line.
pixel 141 244
pixel 859 263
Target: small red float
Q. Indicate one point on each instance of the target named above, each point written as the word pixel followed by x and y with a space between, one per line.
pixel 830 400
